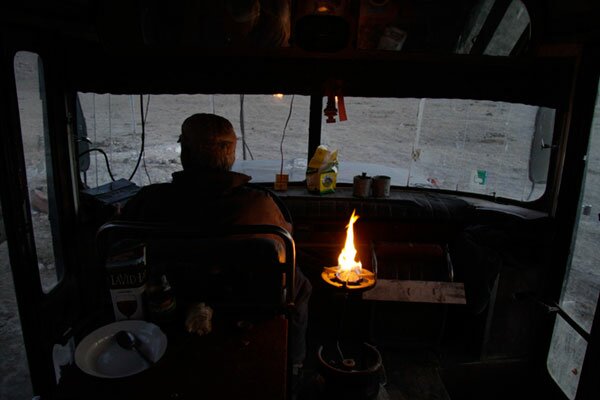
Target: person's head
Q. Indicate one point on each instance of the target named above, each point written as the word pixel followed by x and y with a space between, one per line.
pixel 207 142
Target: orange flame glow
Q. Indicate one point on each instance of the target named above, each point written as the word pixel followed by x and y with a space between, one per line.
pixel 349 269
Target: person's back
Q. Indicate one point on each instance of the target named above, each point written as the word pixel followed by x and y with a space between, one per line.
pixel 207 193
pixel 210 198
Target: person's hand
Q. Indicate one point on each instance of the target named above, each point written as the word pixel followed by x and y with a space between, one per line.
pixel 199 319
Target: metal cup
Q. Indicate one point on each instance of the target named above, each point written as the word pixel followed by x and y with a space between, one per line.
pixel 362 185
pixel 381 186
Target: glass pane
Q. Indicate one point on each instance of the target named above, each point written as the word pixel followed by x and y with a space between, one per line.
pixel 264 120
pixel 460 145
pixel 509 31
pixel 476 146
pixel 567 351
pixel 582 283
pixel 377 138
pixel 114 126
pixel 34 130
pixel 473 26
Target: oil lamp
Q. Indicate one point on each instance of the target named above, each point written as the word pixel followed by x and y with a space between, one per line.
pixel 349 273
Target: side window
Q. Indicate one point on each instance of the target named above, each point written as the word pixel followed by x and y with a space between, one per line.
pixel 582 282
pixel 36 148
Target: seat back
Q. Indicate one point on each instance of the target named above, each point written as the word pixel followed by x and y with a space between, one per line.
pixel 238 268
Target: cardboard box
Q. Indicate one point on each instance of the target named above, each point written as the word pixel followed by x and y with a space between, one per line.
pixel 127 277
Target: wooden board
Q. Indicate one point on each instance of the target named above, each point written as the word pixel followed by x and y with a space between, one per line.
pixel 417 291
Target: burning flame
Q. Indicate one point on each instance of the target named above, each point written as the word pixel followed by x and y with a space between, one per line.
pixel 278 95
pixel 349 269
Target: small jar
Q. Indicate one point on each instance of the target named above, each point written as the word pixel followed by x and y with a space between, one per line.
pixel 381 186
pixel 362 185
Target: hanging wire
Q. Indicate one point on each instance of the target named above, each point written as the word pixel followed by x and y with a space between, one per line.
pixel 145 118
pixel 110 128
pixel 243 130
pixel 105 159
pixel 283 135
pixel 415 149
pixel 95 155
pixel 531 191
pixel 143 138
pixel 132 104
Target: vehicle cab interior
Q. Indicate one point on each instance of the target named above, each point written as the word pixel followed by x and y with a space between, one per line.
pixel 437 163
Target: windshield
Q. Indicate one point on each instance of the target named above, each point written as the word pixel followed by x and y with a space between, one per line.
pixel 114 125
pixel 468 146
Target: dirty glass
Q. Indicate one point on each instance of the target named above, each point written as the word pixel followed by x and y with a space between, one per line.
pixel 582 284
pixel 377 138
pixel 506 35
pixel 36 148
pixel 477 18
pixel 114 126
pixel 515 21
pixel 468 146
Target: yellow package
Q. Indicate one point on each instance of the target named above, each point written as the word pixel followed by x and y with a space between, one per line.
pixel 321 174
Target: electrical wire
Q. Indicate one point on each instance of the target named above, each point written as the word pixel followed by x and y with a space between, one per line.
pixel 143 138
pixel 283 135
pixel 531 192
pixel 95 155
pixel 105 159
pixel 110 139
pixel 132 104
pixel 243 130
pixel 145 118
pixel 249 151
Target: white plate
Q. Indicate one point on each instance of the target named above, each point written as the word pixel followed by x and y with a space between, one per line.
pixel 98 354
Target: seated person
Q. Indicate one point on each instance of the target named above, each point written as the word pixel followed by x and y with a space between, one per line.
pixel 208 192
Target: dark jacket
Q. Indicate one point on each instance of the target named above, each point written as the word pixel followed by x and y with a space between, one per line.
pixel 221 198
pixel 210 198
